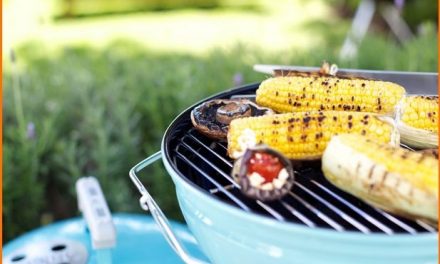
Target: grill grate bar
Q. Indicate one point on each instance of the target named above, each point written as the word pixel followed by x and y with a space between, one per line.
pixel 214 182
pixel 343 215
pixel 271 211
pixel 397 222
pixel 426 226
pixel 299 215
pixel 318 213
pixel 226 176
pixel 216 190
pixel 247 96
pixel 363 214
pixel 221 145
pixel 208 148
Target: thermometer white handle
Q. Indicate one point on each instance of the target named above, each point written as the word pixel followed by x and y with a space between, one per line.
pixel 94 208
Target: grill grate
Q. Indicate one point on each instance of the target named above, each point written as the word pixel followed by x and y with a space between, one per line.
pixel 313 201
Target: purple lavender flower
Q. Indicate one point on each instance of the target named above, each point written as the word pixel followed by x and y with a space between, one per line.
pixel 237 79
pixel 399 4
pixel 30 130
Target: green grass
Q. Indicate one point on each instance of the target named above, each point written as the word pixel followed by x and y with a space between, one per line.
pixel 80 103
pixel 269 25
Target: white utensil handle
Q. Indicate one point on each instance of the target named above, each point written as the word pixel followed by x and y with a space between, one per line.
pixel 92 204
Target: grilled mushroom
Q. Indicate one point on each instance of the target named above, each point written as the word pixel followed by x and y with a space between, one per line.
pixel 212 118
pixel 263 173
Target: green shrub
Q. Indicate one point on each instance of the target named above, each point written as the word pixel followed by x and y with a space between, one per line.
pixel 72 8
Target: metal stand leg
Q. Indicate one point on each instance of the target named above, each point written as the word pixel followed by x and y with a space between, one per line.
pixel 361 22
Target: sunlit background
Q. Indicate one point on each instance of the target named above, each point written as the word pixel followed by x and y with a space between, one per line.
pixel 91 85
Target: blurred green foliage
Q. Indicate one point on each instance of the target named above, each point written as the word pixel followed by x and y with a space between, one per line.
pixel 87 111
pixel 78 8
pixel 416 12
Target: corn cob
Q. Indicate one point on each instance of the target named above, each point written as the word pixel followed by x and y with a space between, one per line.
pixel 392 178
pixel 419 121
pixel 314 91
pixel 302 135
pixel 421 112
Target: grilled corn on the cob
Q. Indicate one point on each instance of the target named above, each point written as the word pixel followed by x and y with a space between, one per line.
pixel 394 179
pixel 418 125
pixel 302 135
pixel 308 92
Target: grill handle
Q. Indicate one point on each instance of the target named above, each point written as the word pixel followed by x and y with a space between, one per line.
pixel 147 203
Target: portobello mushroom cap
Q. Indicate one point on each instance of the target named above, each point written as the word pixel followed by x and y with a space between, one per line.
pixel 212 118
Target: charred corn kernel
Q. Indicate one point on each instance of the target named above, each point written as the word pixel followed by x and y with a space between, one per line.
pixel 421 112
pixel 392 178
pixel 302 135
pixel 308 93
